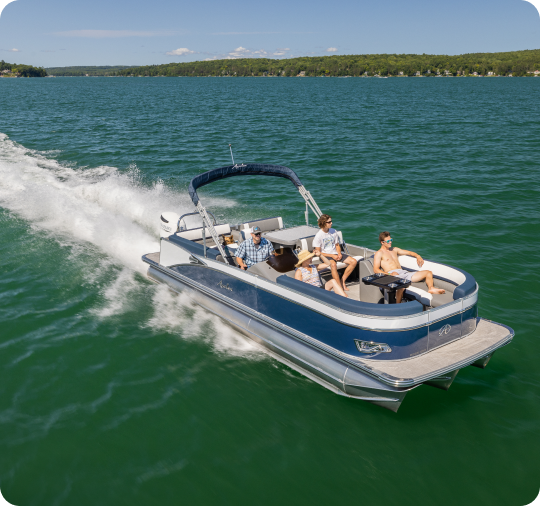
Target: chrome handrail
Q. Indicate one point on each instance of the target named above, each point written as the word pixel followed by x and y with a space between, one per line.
pixel 192 214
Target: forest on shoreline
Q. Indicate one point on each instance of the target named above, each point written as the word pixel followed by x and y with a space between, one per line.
pixel 20 70
pixel 515 63
pixel 82 71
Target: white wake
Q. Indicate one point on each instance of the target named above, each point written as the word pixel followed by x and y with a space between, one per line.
pixel 112 211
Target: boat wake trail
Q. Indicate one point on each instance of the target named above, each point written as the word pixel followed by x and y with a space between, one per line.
pixel 111 210
pixel 99 210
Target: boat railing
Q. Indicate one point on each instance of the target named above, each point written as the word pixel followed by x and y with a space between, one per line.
pixel 184 229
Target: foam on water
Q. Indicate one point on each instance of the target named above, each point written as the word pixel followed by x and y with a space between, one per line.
pixel 117 214
pixel 101 206
pixel 179 315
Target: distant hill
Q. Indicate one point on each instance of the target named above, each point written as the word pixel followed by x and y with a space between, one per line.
pixel 20 70
pixel 83 71
pixel 517 63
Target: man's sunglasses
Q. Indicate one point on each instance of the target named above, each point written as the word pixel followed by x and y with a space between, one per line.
pixel 258 234
pixel 389 241
pixel 328 222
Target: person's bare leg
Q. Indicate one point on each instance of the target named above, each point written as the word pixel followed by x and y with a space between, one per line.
pixel 333 267
pixel 399 295
pixel 351 264
pixel 333 284
pixel 428 276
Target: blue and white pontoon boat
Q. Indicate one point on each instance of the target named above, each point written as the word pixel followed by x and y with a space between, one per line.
pixel 363 346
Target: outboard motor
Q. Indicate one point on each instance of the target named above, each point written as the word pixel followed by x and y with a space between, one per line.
pixel 168 224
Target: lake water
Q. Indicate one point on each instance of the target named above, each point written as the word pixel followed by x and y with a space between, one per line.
pixel 114 391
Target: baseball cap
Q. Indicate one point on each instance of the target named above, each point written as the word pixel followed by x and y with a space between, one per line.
pixel 256 230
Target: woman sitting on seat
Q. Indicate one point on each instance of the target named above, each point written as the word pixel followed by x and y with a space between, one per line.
pixel 309 273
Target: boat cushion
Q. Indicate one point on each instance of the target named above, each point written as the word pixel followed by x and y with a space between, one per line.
pixel 265 224
pixel 369 293
pixel 347 304
pixel 420 295
pixel 465 282
pixel 196 233
pixel 195 248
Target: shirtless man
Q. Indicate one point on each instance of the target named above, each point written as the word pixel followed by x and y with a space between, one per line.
pixel 386 261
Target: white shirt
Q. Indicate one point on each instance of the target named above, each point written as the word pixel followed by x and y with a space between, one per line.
pixel 326 241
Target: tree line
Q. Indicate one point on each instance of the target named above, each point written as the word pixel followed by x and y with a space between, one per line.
pixel 23 70
pixel 516 63
pixel 80 71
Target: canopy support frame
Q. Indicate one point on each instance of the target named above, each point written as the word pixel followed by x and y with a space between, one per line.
pixel 208 224
pixel 310 201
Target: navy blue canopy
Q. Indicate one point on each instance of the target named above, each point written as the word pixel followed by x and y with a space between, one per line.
pixel 250 169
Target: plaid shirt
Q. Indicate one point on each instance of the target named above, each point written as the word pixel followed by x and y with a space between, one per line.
pixel 252 254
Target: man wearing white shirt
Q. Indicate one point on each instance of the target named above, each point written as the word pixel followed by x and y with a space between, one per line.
pixel 326 246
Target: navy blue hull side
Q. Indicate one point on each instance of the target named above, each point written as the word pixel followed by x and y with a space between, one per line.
pixel 469 319
pixel 404 344
pixel 444 331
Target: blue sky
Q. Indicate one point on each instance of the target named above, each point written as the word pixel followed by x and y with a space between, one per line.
pixel 137 32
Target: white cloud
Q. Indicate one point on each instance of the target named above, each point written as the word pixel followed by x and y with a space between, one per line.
pixel 14 50
pixel 221 57
pixel 181 51
pixel 243 52
pixel 240 52
pixel 110 34
pixel 331 50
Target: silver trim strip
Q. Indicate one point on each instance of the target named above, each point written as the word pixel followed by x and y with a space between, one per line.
pixel 348 359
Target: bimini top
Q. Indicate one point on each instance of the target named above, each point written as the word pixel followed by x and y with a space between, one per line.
pixel 250 169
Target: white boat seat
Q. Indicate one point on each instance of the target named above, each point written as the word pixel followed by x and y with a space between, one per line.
pixel 266 224
pixel 420 295
pixel 196 233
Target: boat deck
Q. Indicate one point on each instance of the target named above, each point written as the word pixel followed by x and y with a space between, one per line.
pixel 153 256
pixel 487 337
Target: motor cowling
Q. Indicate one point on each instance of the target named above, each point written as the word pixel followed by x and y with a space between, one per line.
pixel 168 224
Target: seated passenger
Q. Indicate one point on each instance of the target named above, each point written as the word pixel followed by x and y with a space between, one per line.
pixel 326 246
pixel 308 273
pixel 386 261
pixel 254 250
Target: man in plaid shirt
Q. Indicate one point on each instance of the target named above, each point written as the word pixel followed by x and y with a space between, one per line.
pixel 254 250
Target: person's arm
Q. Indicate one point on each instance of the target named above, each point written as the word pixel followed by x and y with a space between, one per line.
pixel 326 263
pixel 298 275
pixel 317 245
pixel 377 263
pixel 240 254
pixel 241 263
pixel 271 249
pixel 419 259
pixel 339 255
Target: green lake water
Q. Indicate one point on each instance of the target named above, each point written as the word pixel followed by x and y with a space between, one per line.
pixel 114 391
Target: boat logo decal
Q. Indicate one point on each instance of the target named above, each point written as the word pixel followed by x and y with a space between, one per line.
pixel 226 287
pixel 445 329
pixel 371 347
